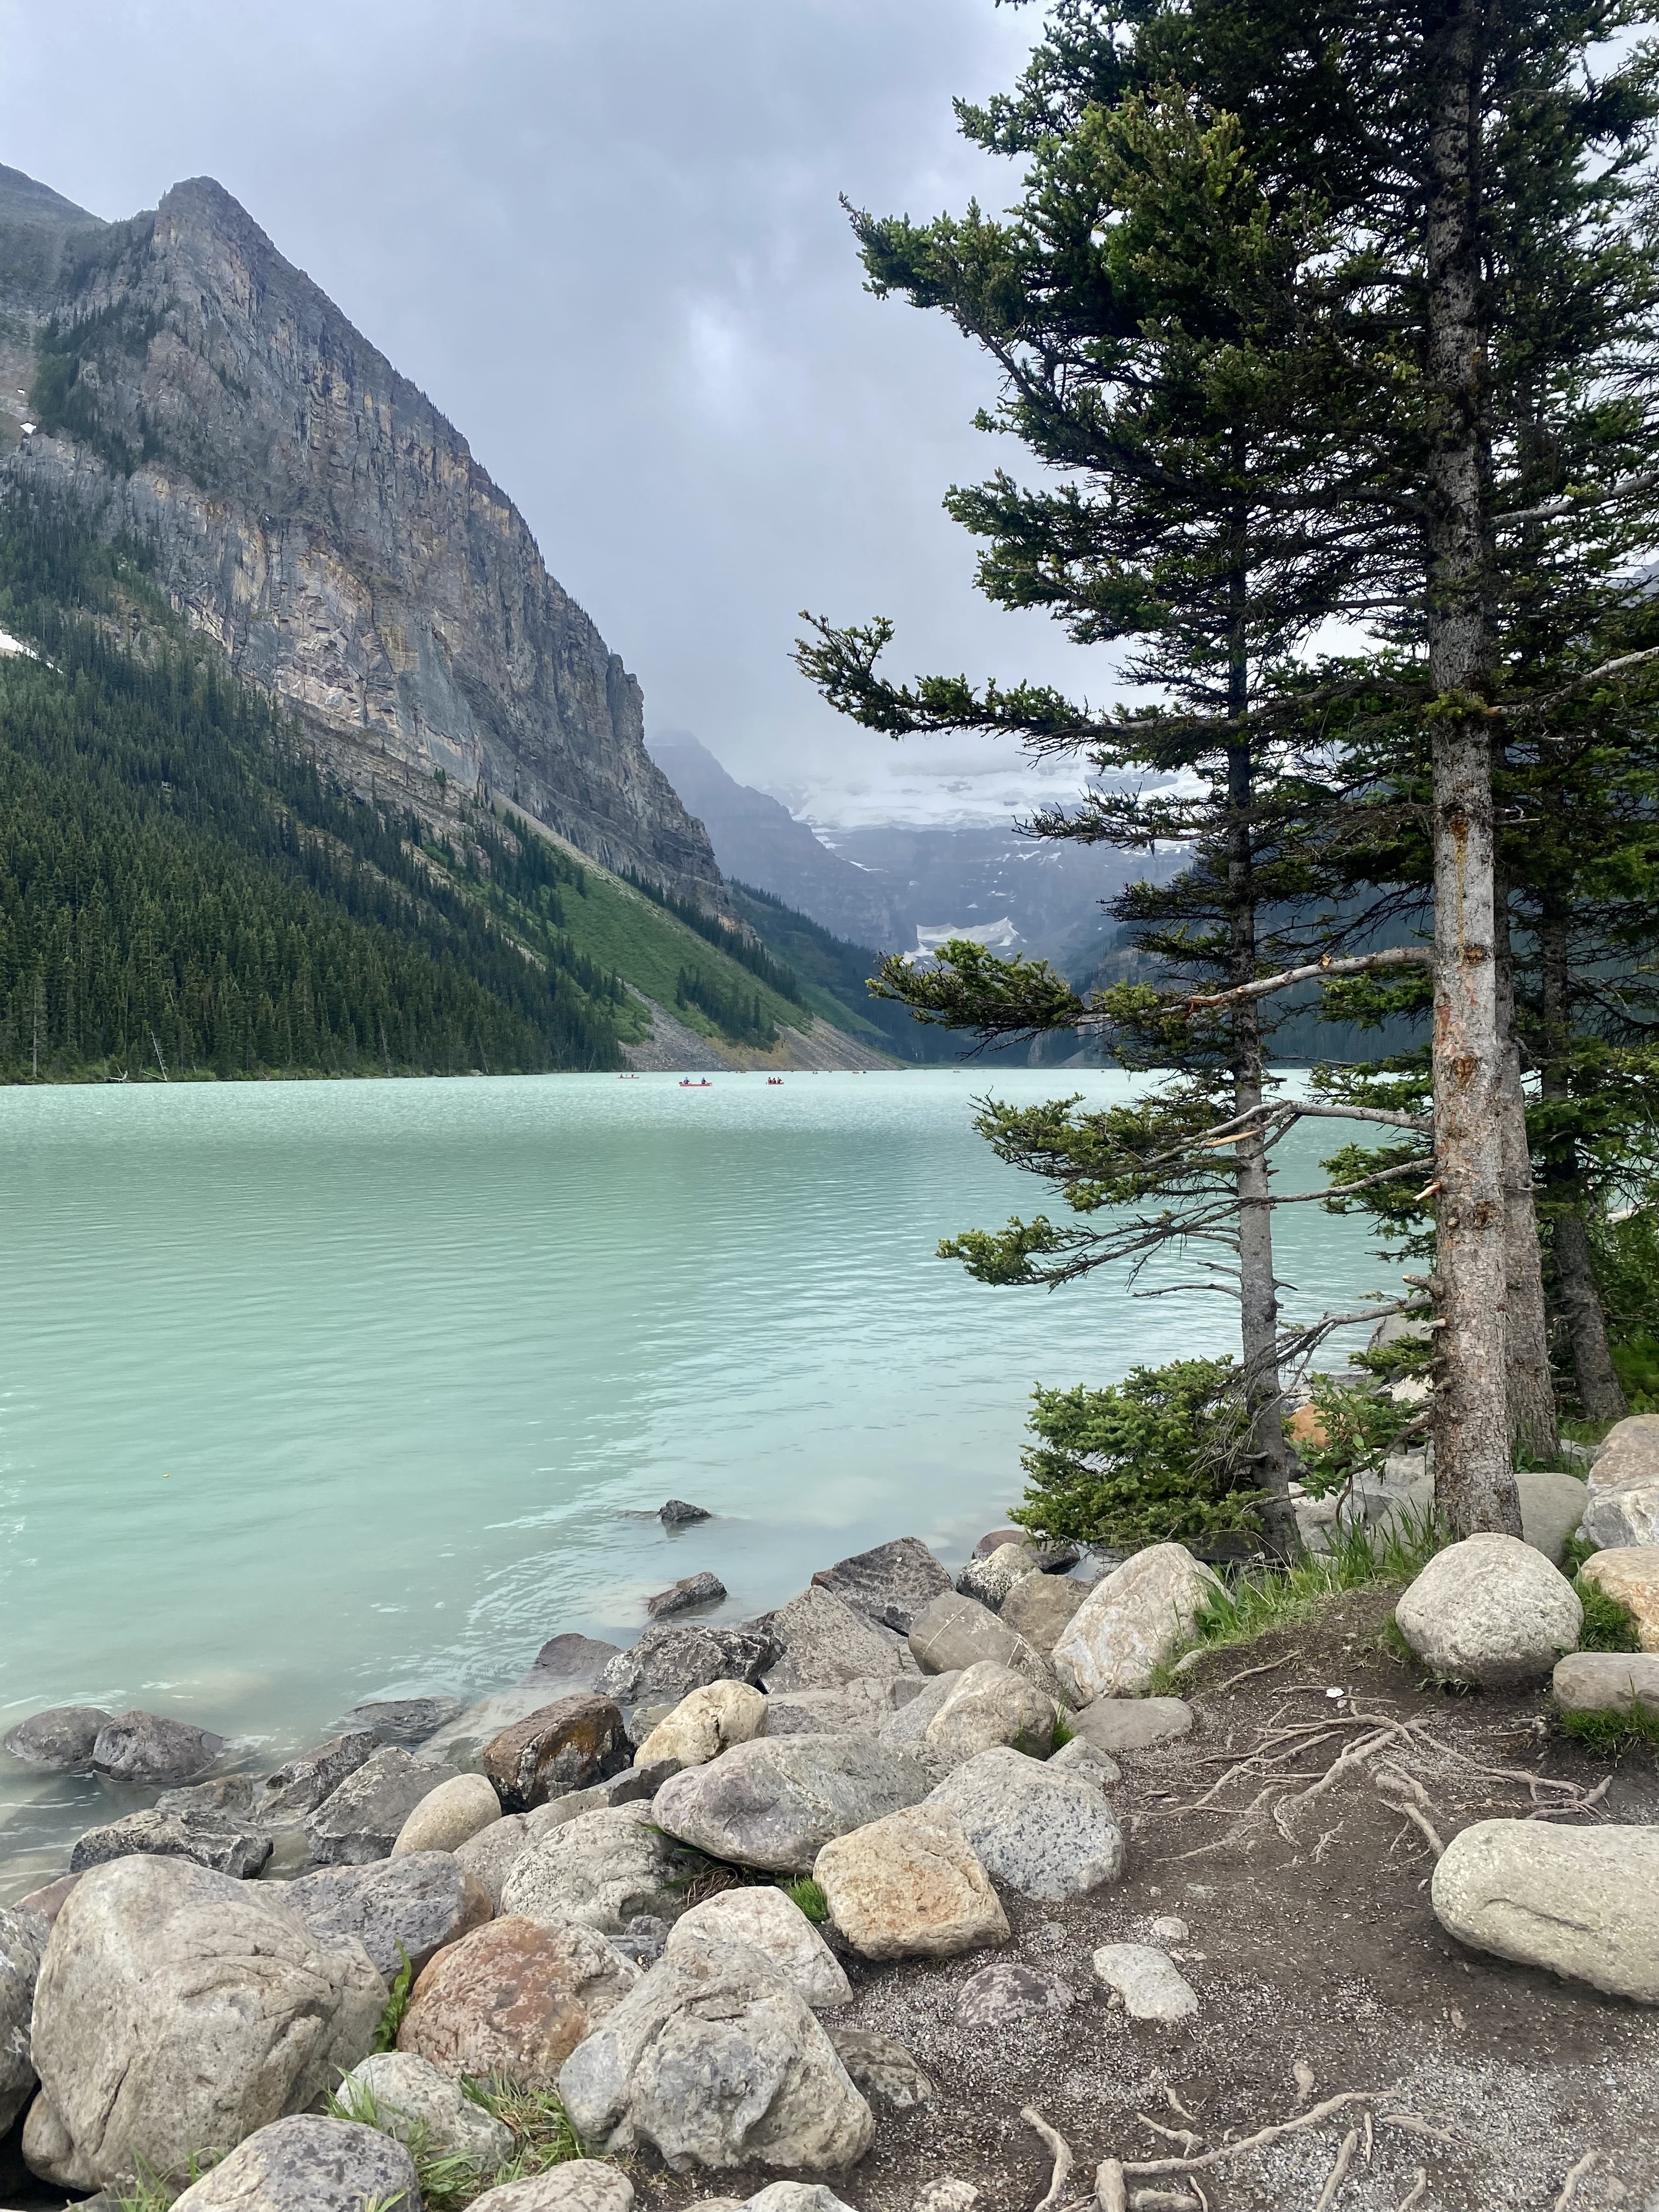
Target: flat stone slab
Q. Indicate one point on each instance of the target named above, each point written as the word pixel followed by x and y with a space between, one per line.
pixel 1607 1681
pixel 1115 1724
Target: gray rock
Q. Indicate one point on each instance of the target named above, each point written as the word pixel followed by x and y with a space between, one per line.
pixel 1006 1992
pixel 1048 1554
pixel 1147 1980
pixel 1132 1622
pixel 406 2096
pixel 177 2009
pixel 449 1816
pixel 690 1589
pixel 401 1720
pixel 600 1871
pixel 1629 1450
pixel 776 1802
pixel 643 1940
pixel 580 2184
pixel 361 1819
pixel 154 1752
pixel 766 1920
pixel 61 1736
pixel 1041 1607
pixel 568 1745
pixel 1044 1834
pixel 892 1583
pixel 715 2060
pixel 1580 1902
pixel 576 1661
pixel 704 1723
pixel 948 2193
pixel 307 2164
pixel 863 1706
pixel 300 1786
pixel 22 1940
pixel 1551 1507
pixel 631 1785
pixel 883 2070
pixel 226 1796
pixel 49 1900
pixel 1622 1513
pixel 907 1728
pixel 1082 1759
pixel 1606 1681
pixel 990 1579
pixel 673 1659
pixel 1490 1610
pixel 210 1841
pixel 990 1704
pixel 954 1632
pixel 826 1643
pixel 490 1856
pixel 788 2197
pixel 1113 1724
pixel 676 1514
pixel 397 1909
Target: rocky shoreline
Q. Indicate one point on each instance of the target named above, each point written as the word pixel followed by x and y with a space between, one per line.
pixel 918 1860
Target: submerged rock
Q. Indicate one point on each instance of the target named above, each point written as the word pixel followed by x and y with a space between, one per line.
pixel 401 1720
pixel 690 1589
pixel 152 1751
pixel 62 1737
pixel 676 1514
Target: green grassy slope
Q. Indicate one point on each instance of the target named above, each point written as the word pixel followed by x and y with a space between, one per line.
pixel 833 974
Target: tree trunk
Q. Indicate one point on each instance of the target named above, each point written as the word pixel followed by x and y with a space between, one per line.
pixel 1474 1484
pixel 1599 1391
pixel 1529 1387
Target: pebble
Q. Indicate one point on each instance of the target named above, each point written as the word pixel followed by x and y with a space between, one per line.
pixel 1147 1981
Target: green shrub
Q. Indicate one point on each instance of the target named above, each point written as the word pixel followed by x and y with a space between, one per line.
pixel 807 1893
pixel 1608 1733
pixel 397 2004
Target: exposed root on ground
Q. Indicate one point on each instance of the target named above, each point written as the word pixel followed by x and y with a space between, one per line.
pixel 1058 2149
pixel 1575 2175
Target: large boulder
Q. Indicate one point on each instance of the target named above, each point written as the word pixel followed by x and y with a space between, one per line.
pixel 1631 1575
pixel 890 1584
pixel 670 1660
pixel 22 1939
pixel 910 1887
pixel 1552 1506
pixel 602 1870
pixel 408 2097
pixel 827 1642
pixel 397 1909
pixel 363 1818
pixel 1040 1606
pixel 61 1736
pixel 577 2185
pixel 1582 1902
pixel 449 1816
pixel 1490 1611
pixel 705 1724
pixel 766 1920
pixel 177 2009
pixel 514 1998
pixel 715 2059
pixel 308 2164
pixel 863 1706
pixel 1606 1681
pixel 574 1741
pixel 990 1704
pixel 774 1803
pixel 1046 1835
pixel 1113 1724
pixel 299 1786
pixel 153 1752
pixel 220 1845
pixel 404 1721
pixel 1623 1513
pixel 1629 1452
pixel 955 1633
pixel 907 1726
pixel 1132 1622
pixel 490 1856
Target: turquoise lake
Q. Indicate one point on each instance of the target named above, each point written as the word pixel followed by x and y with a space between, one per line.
pixel 316 1392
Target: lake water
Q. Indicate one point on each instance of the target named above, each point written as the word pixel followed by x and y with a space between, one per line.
pixel 315 1391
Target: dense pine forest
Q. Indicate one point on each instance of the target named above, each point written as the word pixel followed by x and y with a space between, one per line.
pixel 183 893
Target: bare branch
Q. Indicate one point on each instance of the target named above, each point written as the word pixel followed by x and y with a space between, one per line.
pixel 1319 971
pixel 1525 709
pixel 1575 502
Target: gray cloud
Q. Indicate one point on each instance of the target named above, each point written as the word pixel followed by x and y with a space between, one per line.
pixel 605 236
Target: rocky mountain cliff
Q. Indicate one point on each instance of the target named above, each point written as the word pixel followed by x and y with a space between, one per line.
pixel 311 510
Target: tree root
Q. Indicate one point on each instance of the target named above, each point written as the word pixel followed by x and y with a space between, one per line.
pixel 1416 2193
pixel 1202 2160
pixel 1110 2195
pixel 1057 2148
pixel 1339 2173
pixel 1187 2141
pixel 1575 2175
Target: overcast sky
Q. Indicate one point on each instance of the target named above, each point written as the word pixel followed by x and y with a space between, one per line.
pixel 605 236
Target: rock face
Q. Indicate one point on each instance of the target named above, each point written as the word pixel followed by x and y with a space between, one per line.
pixel 1582 1902
pixel 1606 1681
pixel 953 1632
pixel 178 2008
pixel 1132 1621
pixel 1631 1575
pixel 308 2165
pixel 211 1843
pixel 449 1816
pixel 690 1589
pixel 708 1721
pixel 890 1584
pixel 300 1785
pixel 1147 1981
pixel 564 1746
pixel 1490 1610
pixel 1044 1834
pixel 397 1909
pixel 909 1887
pixel 22 1939
pixel 601 1870
pixel 153 1752
pixel 409 2096
pixel 669 1661
pixel 827 1642
pixel 767 1920
pixel 363 1818
pixel 715 2060
pixel 990 1704
pixel 514 1998
pixel 314 515
pixel 775 1803
pixel 61 1736
pixel 1040 1606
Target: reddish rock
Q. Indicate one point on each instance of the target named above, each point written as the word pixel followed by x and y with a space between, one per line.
pixel 514 1998
pixel 568 1745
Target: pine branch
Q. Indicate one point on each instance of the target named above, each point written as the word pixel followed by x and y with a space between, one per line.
pixel 1522 709
pixel 1397 956
pixel 1577 502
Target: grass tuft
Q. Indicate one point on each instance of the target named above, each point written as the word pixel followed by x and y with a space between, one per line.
pixel 540 2126
pixel 397 2004
pixel 449 2180
pixel 1063 1734
pixel 1608 1733
pixel 1608 1625
pixel 803 1892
